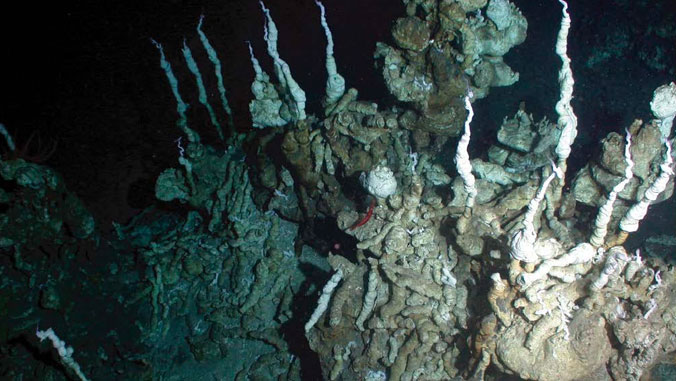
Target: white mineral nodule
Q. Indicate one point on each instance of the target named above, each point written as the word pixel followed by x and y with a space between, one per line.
pixel 663 104
pixel 663 107
pixel 379 181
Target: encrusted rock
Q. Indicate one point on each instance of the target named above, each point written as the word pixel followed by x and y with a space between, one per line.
pixel 411 33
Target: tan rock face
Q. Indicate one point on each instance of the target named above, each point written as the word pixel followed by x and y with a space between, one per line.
pixel 553 357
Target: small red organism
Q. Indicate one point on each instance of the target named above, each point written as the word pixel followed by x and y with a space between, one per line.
pixel 366 218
